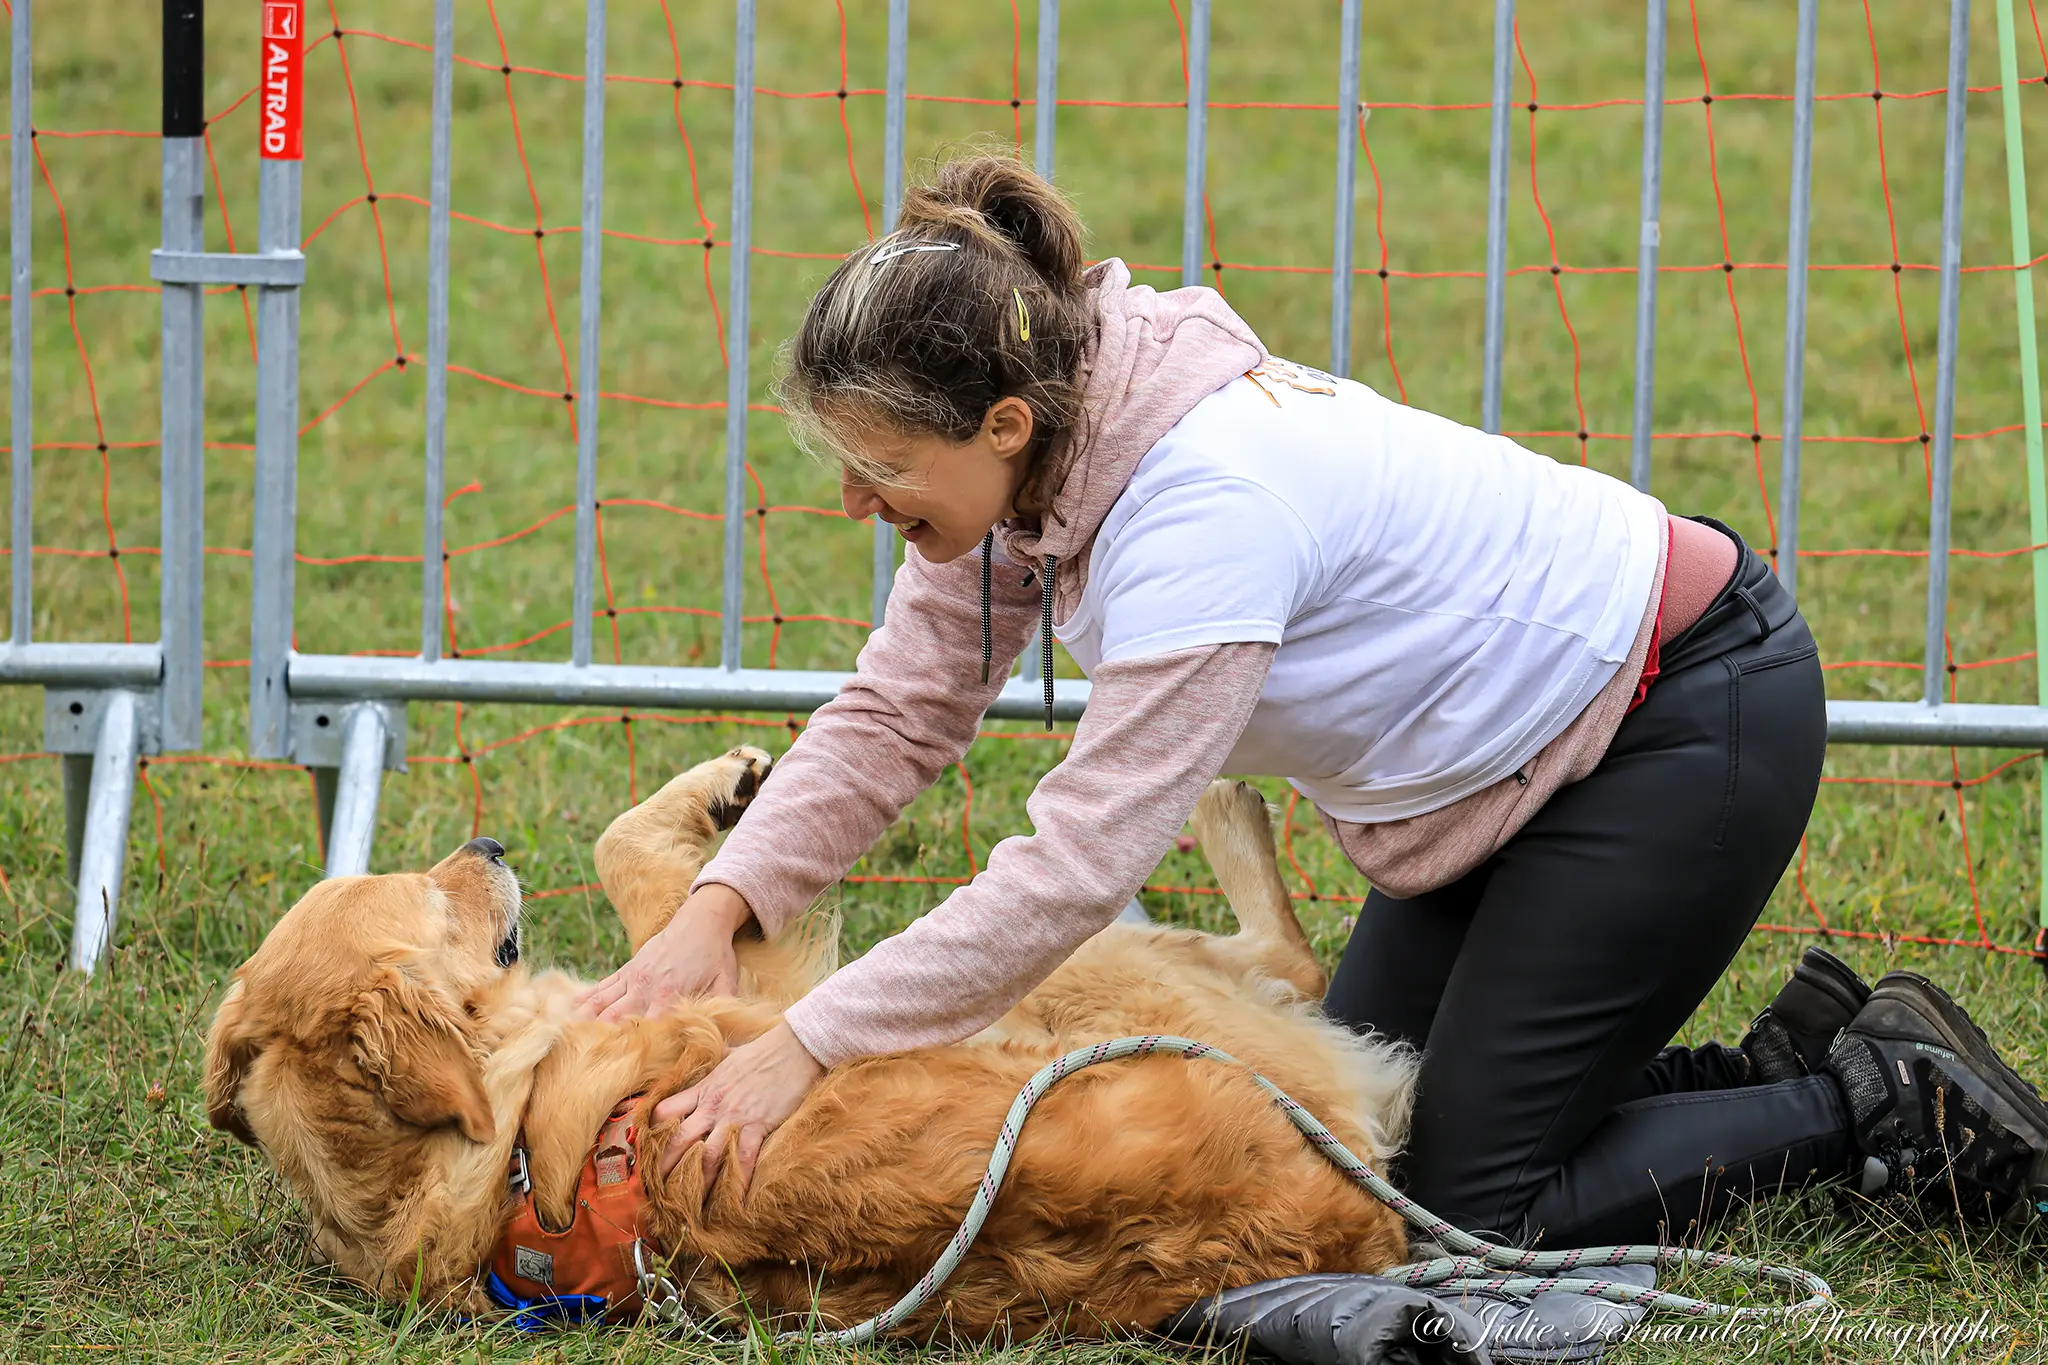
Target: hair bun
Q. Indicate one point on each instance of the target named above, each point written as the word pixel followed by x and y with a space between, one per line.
pixel 997 200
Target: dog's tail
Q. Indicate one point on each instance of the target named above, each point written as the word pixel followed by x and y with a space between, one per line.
pixel 1236 836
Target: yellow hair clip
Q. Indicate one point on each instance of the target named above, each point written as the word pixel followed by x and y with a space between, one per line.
pixel 1023 316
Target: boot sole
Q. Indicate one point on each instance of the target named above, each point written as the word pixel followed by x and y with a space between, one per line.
pixel 1960 1034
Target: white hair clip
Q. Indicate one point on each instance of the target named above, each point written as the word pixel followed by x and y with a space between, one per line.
pixel 890 253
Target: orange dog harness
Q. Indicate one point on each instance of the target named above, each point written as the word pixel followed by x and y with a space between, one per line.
pixel 591 1268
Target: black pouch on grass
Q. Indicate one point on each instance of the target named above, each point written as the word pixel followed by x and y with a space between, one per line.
pixel 1367 1320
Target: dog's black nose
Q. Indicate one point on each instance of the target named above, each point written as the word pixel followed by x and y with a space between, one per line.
pixel 484 846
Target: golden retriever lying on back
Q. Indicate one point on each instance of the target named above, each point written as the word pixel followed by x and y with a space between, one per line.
pixel 384 1048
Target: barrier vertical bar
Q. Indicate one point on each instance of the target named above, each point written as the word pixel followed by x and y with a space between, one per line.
pixel 1795 296
pixel 736 332
pixel 184 383
pixel 895 95
pixel 1646 251
pixel 1347 189
pixel 433 551
pixel 591 297
pixel 1045 136
pixel 2030 398
pixel 21 426
pixel 1197 144
pixel 1945 351
pixel 2030 387
pixel 277 383
pixel 1044 154
pixel 1497 215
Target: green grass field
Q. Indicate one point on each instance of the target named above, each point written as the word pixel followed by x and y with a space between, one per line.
pixel 130 1229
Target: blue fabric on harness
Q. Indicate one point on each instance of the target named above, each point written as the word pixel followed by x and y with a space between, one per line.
pixel 540 1314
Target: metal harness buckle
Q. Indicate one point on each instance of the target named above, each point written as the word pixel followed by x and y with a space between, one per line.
pixel 661 1300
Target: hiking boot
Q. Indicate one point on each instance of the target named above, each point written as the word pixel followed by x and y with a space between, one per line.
pixel 1792 1035
pixel 1936 1117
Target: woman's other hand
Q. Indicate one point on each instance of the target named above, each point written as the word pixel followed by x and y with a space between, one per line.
pixel 744 1099
pixel 692 956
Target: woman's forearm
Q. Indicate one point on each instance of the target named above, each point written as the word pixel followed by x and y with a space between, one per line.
pixel 1156 731
pixel 911 709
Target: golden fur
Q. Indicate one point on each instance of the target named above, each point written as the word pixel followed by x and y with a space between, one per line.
pixel 378 1052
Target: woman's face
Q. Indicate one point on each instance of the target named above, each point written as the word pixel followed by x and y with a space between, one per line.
pixel 943 497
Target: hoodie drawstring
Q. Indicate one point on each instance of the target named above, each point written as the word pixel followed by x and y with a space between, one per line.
pixel 988 645
pixel 1045 634
pixel 1045 583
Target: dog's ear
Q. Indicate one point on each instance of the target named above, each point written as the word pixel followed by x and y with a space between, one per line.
pixel 414 1047
pixel 229 1051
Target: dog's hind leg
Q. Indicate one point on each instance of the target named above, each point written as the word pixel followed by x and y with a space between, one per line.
pixel 1237 838
pixel 649 855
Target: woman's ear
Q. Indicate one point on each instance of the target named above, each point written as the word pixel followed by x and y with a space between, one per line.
pixel 1007 427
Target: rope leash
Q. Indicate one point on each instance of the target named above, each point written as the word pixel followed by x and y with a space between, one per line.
pixel 1467 1270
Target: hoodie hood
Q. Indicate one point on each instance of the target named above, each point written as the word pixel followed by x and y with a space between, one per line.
pixel 1154 356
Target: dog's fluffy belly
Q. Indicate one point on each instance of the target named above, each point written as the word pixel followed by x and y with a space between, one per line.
pixel 1135 1189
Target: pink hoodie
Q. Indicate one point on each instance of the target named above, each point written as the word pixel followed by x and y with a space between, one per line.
pixel 1156 731
pixel 915 702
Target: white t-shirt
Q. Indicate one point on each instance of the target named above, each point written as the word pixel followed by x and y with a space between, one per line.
pixel 1444 602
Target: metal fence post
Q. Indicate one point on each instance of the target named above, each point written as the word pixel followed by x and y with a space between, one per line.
pixel 1044 158
pixel 1934 683
pixel 591 297
pixel 433 550
pixel 1497 215
pixel 21 425
pixel 1795 297
pixel 1347 189
pixel 895 97
pixel 1194 180
pixel 184 381
pixel 736 334
pixel 1046 112
pixel 274 536
pixel 1646 252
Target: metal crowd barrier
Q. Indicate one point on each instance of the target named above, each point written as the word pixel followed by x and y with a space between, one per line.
pixel 344 715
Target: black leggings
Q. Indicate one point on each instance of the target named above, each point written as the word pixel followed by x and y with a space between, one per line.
pixel 1544 985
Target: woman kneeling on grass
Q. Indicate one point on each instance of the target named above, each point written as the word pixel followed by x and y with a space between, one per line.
pixel 1571 740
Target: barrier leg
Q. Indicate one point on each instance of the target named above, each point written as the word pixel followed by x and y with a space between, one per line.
pixel 349 745
pixel 357 784
pixel 103 849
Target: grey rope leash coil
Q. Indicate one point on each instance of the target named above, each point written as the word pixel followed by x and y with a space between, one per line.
pixel 1465 1271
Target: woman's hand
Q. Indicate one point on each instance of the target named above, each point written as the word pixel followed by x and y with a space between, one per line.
pixel 744 1099
pixel 691 956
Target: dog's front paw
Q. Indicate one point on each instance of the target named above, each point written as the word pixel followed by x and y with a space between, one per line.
pixel 739 773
